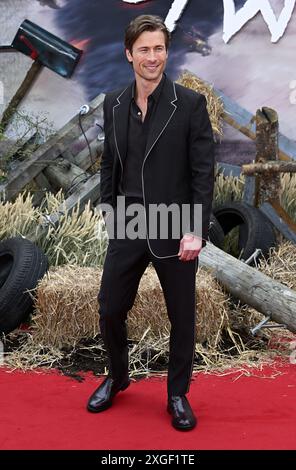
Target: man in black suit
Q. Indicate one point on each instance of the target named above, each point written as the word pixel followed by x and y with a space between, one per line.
pixel 158 150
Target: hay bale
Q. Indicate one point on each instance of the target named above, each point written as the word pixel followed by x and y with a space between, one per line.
pixel 281 264
pixel 149 310
pixel 67 308
pixel 214 103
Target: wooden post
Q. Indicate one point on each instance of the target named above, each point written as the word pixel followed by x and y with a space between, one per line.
pixel 268 185
pixel 21 92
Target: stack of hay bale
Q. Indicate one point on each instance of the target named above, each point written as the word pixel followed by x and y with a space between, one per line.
pixel 67 308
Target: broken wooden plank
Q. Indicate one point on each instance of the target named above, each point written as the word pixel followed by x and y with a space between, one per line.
pixel 83 158
pixel 244 121
pixel 68 154
pixel 252 287
pixel 43 185
pixel 50 150
pixel 249 190
pixel 84 193
pixel 63 174
pixel 280 219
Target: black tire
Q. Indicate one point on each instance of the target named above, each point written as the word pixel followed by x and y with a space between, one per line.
pixel 22 265
pixel 255 230
pixel 216 234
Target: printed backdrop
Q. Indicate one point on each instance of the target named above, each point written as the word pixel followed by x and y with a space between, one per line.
pixel 250 68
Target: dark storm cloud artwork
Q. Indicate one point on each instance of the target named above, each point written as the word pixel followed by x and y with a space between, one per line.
pixel 101 24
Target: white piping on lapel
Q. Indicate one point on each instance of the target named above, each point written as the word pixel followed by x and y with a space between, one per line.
pixel 143 190
pixel 175 107
pixel 115 106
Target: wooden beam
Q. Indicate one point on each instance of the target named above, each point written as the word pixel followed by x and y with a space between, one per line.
pixel 50 150
pixel 43 182
pixel 83 193
pixel 252 287
pixel 83 158
pixel 280 219
pixel 269 167
pixel 244 121
pixel 249 190
pixel 63 174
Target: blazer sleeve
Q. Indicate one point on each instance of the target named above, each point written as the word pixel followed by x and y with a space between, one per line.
pixel 107 160
pixel 202 165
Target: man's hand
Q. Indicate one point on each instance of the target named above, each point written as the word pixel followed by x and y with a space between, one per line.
pixel 190 247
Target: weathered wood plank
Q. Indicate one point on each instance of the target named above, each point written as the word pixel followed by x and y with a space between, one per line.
pixel 83 158
pixel 83 193
pixel 251 286
pixel 244 121
pixel 43 182
pixel 249 190
pixel 44 186
pixel 280 219
pixel 64 174
pixel 50 150
pixel 269 167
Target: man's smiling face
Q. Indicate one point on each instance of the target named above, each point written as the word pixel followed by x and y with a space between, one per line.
pixel 149 55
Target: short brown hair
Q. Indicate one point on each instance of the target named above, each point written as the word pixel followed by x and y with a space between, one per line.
pixel 145 23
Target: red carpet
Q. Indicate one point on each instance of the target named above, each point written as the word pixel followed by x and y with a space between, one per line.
pixel 47 411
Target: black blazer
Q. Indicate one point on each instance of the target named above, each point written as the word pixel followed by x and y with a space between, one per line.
pixel 179 159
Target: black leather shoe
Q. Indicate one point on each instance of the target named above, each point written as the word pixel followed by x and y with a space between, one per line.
pixel 180 409
pixel 102 397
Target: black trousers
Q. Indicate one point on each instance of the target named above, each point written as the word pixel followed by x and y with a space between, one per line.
pixel 125 263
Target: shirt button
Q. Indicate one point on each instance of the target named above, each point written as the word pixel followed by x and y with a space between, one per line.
pixel 139 113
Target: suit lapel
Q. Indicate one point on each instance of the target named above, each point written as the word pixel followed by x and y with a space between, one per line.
pixel 163 114
pixel 120 122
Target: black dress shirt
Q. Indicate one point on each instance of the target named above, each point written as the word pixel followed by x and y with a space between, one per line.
pixel 131 181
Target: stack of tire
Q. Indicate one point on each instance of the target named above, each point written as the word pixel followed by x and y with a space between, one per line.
pixel 22 265
pixel 255 230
